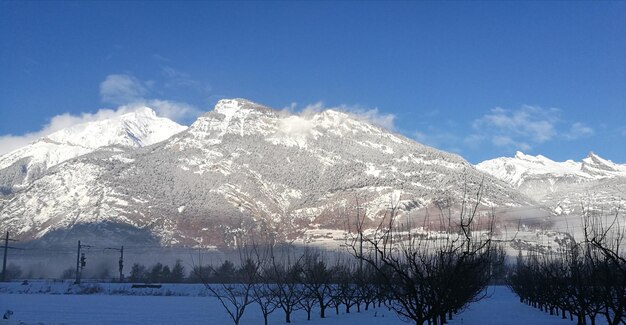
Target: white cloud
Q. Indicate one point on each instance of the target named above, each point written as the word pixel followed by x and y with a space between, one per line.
pixel 120 89
pixel 533 123
pixel 291 107
pixel 177 111
pixel 526 127
pixel 506 129
pixel 299 123
pixel 439 139
pixel 178 79
pixel 516 129
pixel 296 126
pixel 309 110
pixel 371 115
pixel 124 89
pixel 578 130
pixel 504 141
pixel 374 116
pixel 10 142
pixel 473 140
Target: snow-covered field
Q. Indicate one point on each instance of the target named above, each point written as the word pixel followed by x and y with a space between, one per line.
pixel 502 307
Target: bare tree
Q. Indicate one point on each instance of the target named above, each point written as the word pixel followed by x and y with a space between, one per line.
pixel 346 290
pixel 236 293
pixel 285 277
pixel 263 295
pixel 317 280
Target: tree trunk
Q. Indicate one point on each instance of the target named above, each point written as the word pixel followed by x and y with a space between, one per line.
pixel 322 311
pixel 308 314
pixel 563 314
pixel 287 317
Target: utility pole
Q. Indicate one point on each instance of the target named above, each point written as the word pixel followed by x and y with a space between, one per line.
pixel 4 261
pixel 121 261
pixel 78 265
pixel 6 251
pixel 122 264
pixel 80 262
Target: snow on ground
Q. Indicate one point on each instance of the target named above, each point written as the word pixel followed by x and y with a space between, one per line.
pixel 502 307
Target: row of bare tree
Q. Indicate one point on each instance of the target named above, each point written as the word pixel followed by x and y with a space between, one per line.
pixel 427 278
pixel 422 279
pixel 289 282
pixel 587 279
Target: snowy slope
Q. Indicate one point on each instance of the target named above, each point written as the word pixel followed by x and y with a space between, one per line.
pixel 564 186
pixel 136 129
pixel 243 168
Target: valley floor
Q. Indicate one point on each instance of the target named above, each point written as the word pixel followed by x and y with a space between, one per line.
pixel 502 307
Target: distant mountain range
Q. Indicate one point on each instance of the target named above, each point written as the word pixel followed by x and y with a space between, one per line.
pixel 244 168
pixel 564 187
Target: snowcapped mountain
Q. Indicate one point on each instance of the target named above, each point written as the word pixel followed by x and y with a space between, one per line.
pixel 244 168
pixel 563 186
pixel 139 128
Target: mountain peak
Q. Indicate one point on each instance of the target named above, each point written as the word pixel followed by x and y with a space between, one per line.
pixel 142 111
pixel 594 159
pixel 138 128
pixel 521 155
pixel 597 165
pixel 536 159
pixel 237 104
pixel 141 127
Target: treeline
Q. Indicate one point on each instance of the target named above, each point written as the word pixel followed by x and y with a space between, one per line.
pixel 158 273
pixel 587 280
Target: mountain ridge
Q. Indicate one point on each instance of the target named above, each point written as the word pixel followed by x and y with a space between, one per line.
pixel 245 168
pixel 563 186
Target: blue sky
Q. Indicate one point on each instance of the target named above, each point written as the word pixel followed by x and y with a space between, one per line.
pixel 482 79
